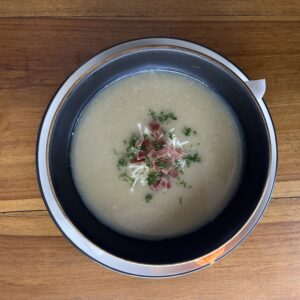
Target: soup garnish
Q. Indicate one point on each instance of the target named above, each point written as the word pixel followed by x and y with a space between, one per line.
pixel 155 156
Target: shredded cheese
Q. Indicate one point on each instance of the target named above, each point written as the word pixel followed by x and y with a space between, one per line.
pixel 139 172
pixel 174 141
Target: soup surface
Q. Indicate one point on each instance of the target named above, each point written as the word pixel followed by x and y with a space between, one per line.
pixel 156 155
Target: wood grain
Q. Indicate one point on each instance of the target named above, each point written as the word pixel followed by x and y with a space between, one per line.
pixel 42 42
pixel 155 9
pixel 267 266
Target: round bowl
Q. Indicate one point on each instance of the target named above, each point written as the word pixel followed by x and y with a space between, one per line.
pixel 174 256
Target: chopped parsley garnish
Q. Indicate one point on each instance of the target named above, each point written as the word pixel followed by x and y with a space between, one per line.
pixel 162 117
pixel 162 164
pixel 126 177
pixel 190 158
pixel 153 177
pixel 132 141
pixel 183 183
pixel 154 156
pixel 152 114
pixel 180 200
pixel 147 162
pixel 188 131
pixel 158 145
pixel 122 162
pixel 148 197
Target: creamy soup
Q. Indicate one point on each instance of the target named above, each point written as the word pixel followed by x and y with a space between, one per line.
pixel 156 155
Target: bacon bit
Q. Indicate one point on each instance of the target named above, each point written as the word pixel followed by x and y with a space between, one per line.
pixel 153 155
pixel 164 183
pixel 154 126
pixel 134 161
pixel 156 130
pixel 146 144
pixel 159 134
pixel 171 152
pixel 140 155
pixel 173 173
pixel 155 186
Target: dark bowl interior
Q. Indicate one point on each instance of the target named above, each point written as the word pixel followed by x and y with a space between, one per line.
pixel 209 237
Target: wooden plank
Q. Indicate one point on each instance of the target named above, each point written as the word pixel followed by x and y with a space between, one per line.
pixel 286 189
pixel 266 266
pixel 27 223
pixel 21 205
pixel 39 223
pixel 282 210
pixel 40 53
pixel 155 9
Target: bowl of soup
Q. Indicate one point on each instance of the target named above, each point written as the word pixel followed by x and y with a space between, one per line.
pixel 157 157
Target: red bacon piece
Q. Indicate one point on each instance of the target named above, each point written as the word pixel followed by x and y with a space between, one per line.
pixel 154 126
pixel 140 155
pixel 173 173
pixel 156 130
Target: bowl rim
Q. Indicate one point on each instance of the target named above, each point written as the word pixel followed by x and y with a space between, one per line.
pixel 74 235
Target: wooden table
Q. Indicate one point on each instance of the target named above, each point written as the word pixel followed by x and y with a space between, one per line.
pixel 41 42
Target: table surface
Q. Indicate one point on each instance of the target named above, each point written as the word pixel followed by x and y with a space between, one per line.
pixel 42 41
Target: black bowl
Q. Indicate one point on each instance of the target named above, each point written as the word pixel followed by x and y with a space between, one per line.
pixel 216 234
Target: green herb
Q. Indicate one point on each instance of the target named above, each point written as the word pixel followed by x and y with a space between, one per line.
pixel 131 155
pixel 148 162
pixel 152 177
pixel 190 158
pixel 162 164
pixel 137 153
pixel 183 183
pixel 189 187
pixel 122 162
pixel 148 198
pixel 166 117
pixel 188 131
pixel 132 141
pixel 126 177
pixel 198 144
pixel 158 145
pixel 163 116
pixel 152 114
pixel 180 200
